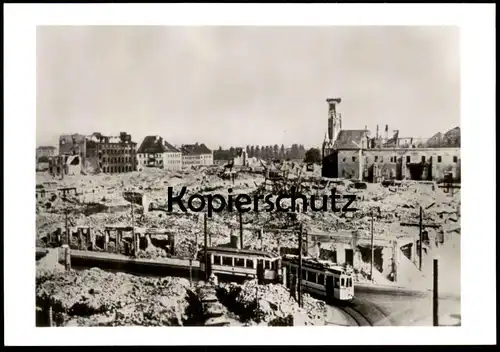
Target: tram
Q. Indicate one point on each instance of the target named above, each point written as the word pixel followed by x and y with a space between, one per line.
pixel 320 278
pixel 242 262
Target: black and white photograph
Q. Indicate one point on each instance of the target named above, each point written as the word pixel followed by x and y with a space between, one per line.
pixel 249 176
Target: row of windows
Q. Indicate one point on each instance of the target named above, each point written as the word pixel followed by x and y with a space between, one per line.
pixel 316 278
pixel 116 146
pixel 123 159
pixel 141 156
pixel 393 159
pixel 241 262
pixel 116 169
pixel 117 151
pixel 158 156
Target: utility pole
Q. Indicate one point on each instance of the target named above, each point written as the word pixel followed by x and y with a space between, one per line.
pixel 420 239
pixel 66 226
pixel 206 245
pixel 421 226
pixel 372 250
pixel 241 230
pixel 306 244
pixel 299 281
pixel 435 300
pixel 190 272
pixel 133 229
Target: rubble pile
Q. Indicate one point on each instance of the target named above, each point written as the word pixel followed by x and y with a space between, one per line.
pixel 95 297
pixel 268 304
pixel 390 203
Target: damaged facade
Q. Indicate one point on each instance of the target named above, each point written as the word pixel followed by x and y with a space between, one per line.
pixel 234 156
pixel 43 155
pixel 45 152
pixel 354 154
pixel 157 152
pixel 65 165
pixel 111 154
pixel 95 154
pixel 354 250
pixel 196 154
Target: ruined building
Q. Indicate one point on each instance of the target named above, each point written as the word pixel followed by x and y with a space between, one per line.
pixel 111 154
pixel 43 155
pixel 95 154
pixel 235 156
pixel 356 154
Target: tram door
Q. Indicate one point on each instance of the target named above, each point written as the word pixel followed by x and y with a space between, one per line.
pixel 260 271
pixel 329 286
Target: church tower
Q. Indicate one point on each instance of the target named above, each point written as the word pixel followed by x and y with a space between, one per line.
pixel 334 119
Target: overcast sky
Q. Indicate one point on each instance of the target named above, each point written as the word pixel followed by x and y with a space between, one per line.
pixel 245 85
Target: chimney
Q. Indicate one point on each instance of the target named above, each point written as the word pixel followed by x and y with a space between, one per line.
pixel 376 136
pixel 386 133
pixel 234 241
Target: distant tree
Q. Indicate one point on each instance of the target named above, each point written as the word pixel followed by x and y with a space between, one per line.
pixel 282 152
pixel 313 155
pixel 231 152
pixel 220 148
pixel 276 151
pixel 267 152
pixel 257 152
pixel 248 151
pixel 294 154
pixel 302 151
pixel 252 152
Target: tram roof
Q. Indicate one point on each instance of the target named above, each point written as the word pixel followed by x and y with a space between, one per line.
pixel 317 264
pixel 250 252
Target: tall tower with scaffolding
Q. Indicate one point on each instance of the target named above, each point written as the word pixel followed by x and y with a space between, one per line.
pixel 334 125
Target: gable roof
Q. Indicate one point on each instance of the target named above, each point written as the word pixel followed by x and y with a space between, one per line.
pixel 434 141
pixel 347 139
pixel 169 148
pixel 195 149
pixel 449 139
pixel 156 144
pixel 452 137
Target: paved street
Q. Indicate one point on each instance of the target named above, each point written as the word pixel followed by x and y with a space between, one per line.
pixel 413 310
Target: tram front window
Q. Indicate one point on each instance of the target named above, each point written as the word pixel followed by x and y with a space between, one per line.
pixel 217 260
pixel 342 282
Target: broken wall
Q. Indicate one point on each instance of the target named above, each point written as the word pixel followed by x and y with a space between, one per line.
pixel 393 163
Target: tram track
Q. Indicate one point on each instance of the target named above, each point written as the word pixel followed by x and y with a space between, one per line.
pixel 359 318
pixel 365 313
